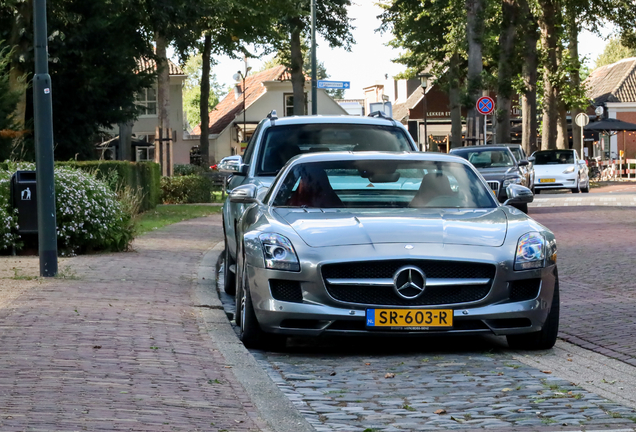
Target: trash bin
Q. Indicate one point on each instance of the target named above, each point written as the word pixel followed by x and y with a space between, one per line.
pixel 23 197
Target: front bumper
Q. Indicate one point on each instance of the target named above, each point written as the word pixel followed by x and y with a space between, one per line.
pixel 320 314
pixel 561 181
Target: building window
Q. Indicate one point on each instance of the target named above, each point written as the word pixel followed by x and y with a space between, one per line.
pixel 289 104
pixel 147 101
pixel 145 154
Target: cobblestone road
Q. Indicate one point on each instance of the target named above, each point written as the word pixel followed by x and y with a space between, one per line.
pixel 596 251
pixel 342 385
pixel 120 348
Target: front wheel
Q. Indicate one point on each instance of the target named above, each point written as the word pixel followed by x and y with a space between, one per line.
pixel 547 336
pixel 250 331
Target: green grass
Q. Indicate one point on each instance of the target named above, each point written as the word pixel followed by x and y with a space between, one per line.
pixel 165 215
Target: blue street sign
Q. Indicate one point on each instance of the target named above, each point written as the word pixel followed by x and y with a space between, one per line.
pixel 333 85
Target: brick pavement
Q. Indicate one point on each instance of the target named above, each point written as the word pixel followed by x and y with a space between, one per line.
pixel 121 346
pixel 596 251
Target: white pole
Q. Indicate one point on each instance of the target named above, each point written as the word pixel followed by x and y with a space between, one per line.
pixel 485 121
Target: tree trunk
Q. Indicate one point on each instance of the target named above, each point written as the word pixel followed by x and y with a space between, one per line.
pixel 297 76
pixel 455 102
pixel 510 10
pixel 575 78
pixel 474 9
pixel 163 82
pixel 204 141
pixel 529 75
pixel 20 42
pixel 548 12
pixel 563 140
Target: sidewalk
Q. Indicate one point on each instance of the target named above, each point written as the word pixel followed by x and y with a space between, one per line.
pixel 125 346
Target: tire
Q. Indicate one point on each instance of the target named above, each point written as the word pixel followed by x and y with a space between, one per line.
pixel 250 332
pixel 577 189
pixel 229 278
pixel 547 336
pixel 587 189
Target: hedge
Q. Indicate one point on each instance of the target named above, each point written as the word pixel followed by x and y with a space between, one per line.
pixel 186 189
pixel 146 175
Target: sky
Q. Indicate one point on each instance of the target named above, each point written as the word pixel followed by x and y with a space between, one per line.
pixel 370 58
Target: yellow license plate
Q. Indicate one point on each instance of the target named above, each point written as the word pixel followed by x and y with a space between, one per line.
pixel 547 181
pixel 409 319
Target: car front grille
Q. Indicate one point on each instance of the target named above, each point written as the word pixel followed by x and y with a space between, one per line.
pixel 494 185
pixel 373 294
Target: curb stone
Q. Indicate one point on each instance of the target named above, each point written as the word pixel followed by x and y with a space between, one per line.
pixel 270 402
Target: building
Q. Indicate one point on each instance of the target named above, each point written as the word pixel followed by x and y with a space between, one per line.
pixel 144 128
pixel 613 87
pixel 231 125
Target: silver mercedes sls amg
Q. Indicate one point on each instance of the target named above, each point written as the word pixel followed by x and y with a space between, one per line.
pixel 391 244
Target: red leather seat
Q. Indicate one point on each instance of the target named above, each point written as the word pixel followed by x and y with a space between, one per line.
pixel 314 190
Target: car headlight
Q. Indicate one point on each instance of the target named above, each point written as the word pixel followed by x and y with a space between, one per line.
pixel 569 170
pixel 278 252
pixel 512 180
pixel 530 251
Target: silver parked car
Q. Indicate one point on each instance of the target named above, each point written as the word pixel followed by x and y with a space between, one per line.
pixel 391 244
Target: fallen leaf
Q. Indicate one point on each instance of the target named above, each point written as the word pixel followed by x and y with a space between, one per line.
pixel 239 421
pixel 520 410
pixel 569 359
pixel 546 372
pixel 506 389
pixel 389 375
pixel 368 364
pixel 97 347
pixel 440 411
pixel 457 420
pixel 500 373
pixel 332 374
pixel 228 367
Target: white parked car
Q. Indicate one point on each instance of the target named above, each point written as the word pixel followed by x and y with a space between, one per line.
pixel 559 169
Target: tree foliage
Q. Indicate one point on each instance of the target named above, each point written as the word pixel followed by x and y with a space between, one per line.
pixel 613 52
pixel 192 91
pixel 8 102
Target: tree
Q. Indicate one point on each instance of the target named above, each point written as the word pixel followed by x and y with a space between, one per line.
pixel 94 48
pixel 9 100
pixel 613 52
pixel 282 58
pixel 293 23
pixel 193 68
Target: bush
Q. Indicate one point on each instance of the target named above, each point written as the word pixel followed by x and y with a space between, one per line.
pixel 186 189
pixel 89 215
pixel 188 169
pixel 8 216
pixel 136 175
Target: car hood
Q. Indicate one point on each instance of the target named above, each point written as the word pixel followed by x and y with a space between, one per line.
pixel 340 227
pixel 497 173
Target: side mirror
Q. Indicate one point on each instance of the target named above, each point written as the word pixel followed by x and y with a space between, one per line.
pixel 582 162
pixel 232 165
pixel 518 194
pixel 244 194
pixel 524 163
pixel 532 159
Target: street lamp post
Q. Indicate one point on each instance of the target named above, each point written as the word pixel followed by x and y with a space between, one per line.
pixel 424 83
pixel 43 116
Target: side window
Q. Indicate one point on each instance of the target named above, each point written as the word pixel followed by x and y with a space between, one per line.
pixel 249 150
pixel 289 104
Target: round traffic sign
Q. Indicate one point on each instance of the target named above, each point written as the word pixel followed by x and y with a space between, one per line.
pixel 582 119
pixel 485 105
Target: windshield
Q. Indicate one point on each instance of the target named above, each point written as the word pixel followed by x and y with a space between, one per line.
pixel 281 143
pixel 487 158
pixel 517 154
pixel 383 184
pixel 554 157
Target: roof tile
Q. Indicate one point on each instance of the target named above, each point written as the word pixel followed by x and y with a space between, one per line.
pixel 613 83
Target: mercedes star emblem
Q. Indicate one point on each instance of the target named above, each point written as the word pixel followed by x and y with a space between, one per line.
pixel 409 282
